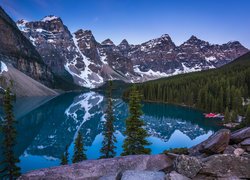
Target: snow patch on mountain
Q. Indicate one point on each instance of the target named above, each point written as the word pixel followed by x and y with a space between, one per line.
pixel 90 79
pixel 210 58
pixel 149 73
pixel 3 67
pixel 49 18
pixel 33 40
pixel 189 69
pixel 103 57
pixel 22 25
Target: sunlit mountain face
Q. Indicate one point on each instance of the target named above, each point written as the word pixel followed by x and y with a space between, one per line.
pixel 50 124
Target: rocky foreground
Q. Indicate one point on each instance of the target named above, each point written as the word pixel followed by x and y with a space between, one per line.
pixel 224 155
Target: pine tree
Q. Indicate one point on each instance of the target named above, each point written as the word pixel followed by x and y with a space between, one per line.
pixel 221 101
pixel 234 116
pixel 108 144
pixel 79 154
pixel 247 116
pixel 10 169
pixel 227 117
pixel 65 156
pixel 135 140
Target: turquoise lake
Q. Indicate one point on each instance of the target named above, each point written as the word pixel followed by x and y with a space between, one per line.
pixel 47 124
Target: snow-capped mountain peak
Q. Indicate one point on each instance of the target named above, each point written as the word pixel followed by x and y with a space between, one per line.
pixel 124 42
pixel 124 45
pixel 91 63
pixel 166 36
pixel 22 22
pixel 49 18
pixel 193 39
pixel 108 42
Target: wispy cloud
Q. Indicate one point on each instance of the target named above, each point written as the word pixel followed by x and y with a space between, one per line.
pixel 11 9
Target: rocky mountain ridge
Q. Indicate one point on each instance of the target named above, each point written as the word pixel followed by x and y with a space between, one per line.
pixel 91 63
pixel 20 53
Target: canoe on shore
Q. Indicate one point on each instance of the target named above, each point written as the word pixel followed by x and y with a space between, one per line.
pixel 213 115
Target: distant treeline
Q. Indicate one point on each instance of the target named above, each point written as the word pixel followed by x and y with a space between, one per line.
pixel 211 90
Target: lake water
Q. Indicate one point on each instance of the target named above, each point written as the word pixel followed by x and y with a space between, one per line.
pixel 46 125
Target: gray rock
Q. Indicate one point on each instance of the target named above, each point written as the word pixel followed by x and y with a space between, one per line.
pixel 215 144
pixel 111 177
pixel 176 176
pixel 238 151
pixel 225 166
pixel 229 150
pixel 229 178
pixel 246 144
pixel 207 177
pixel 240 135
pixel 102 167
pixel 187 166
pixel 145 175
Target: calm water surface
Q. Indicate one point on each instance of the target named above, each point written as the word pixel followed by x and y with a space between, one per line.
pixel 46 125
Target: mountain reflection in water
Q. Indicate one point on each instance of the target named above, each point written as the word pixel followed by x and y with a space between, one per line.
pixel 49 124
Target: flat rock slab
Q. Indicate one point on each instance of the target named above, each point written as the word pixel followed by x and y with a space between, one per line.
pixel 94 169
pixel 176 176
pixel 143 175
pixel 246 142
pixel 225 166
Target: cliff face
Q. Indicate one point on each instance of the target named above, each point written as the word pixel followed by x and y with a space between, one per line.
pixel 17 50
pixel 22 85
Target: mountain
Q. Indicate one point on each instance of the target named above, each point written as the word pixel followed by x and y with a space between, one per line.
pixel 214 90
pixel 20 53
pixel 23 85
pixel 90 63
pixel 161 57
pixel 21 66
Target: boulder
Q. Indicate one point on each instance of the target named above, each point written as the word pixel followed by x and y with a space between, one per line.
pixel 204 177
pixel 229 150
pixel 187 165
pixel 238 151
pixel 225 166
pixel 176 176
pixel 246 144
pixel 102 167
pixel 215 144
pixel 240 135
pixel 145 175
pixel 111 177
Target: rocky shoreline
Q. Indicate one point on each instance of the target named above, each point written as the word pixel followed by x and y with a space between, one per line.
pixel 224 155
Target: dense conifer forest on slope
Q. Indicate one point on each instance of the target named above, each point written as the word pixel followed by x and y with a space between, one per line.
pixel 214 90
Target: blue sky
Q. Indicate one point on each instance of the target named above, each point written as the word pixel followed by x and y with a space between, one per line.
pixel 217 21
